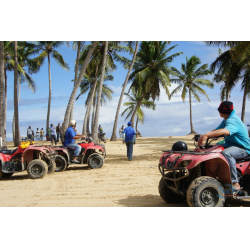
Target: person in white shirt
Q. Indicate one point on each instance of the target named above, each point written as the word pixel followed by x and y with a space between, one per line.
pixel 37 134
pixel 53 134
pixel 29 133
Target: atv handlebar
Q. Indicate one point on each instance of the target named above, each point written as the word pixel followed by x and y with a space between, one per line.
pixel 197 137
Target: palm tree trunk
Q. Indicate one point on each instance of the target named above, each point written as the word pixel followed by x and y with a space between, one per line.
pixel 93 117
pixel 132 120
pixel 49 100
pixel 13 122
pixel 244 104
pixel 98 103
pixel 2 133
pixel 17 140
pixel 136 123
pixel 76 73
pixel 190 104
pixel 77 85
pixel 5 100
pixel 113 137
pixel 92 93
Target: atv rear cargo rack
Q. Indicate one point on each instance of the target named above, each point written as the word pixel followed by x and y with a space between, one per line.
pixel 189 152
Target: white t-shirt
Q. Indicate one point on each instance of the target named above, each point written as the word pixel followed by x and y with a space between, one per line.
pixel 29 130
pixel 37 132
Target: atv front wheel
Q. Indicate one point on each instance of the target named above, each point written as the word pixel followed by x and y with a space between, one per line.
pixel 37 169
pixel 205 192
pixel 167 194
pixel 60 163
pixel 95 161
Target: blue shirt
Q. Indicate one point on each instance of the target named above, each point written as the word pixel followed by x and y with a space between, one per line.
pixel 129 133
pixel 238 133
pixel 52 130
pixel 70 133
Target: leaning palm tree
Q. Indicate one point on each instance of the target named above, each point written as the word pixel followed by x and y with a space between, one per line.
pixel 151 70
pixel 190 81
pixel 77 85
pixel 2 97
pixel 113 137
pixel 133 99
pixel 48 50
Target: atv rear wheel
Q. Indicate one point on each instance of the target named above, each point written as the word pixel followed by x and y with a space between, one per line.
pixel 52 168
pixel 95 161
pixel 205 192
pixel 37 169
pixel 60 163
pixel 167 194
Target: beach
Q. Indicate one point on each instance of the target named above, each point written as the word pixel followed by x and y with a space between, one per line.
pixel 119 183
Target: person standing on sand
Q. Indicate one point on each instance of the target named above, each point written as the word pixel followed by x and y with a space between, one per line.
pixel 130 139
pixel 29 133
pixel 53 134
pixel 41 134
pixel 37 134
pixel 58 127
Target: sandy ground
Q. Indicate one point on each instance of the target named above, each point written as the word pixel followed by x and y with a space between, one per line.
pixel 119 183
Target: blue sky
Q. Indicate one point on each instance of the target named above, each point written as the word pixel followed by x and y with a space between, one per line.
pixel 169 118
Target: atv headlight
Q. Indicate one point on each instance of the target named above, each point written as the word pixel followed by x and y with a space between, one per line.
pixel 185 163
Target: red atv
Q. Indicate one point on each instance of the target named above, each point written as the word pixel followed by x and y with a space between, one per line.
pixel 92 154
pixel 37 160
pixel 202 177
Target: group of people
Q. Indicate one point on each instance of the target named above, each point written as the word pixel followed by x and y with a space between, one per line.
pixel 55 133
pixel 31 135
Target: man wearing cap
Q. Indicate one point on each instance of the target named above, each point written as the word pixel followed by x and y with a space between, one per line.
pixel 130 138
pixel 237 143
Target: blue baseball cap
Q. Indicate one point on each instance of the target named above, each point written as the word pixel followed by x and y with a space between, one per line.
pixel 129 123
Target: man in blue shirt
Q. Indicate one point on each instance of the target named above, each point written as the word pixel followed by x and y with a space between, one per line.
pixel 130 138
pixel 70 137
pixel 237 142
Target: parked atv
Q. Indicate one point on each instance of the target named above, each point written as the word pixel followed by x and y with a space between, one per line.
pixel 92 154
pixel 202 177
pixel 37 160
pixel 101 137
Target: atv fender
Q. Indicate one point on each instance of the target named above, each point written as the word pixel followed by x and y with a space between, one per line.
pixel 215 164
pixel 32 153
pixel 63 152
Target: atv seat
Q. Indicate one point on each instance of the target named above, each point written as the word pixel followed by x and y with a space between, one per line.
pixel 243 160
pixel 8 152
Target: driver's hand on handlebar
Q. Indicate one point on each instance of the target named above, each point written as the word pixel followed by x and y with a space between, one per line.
pixel 202 139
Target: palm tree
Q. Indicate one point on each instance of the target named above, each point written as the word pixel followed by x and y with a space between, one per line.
pixel 2 96
pixel 191 80
pixel 151 70
pixel 77 85
pixel 228 72
pixel 113 137
pixel 96 64
pixel 134 98
pixel 76 46
pixel 24 52
pixel 17 140
pixel 49 50
pixel 86 87
pixel 98 103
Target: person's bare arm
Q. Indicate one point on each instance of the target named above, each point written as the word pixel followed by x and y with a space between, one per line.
pixel 79 136
pixel 213 133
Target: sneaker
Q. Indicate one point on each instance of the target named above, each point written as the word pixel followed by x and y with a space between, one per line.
pixel 75 161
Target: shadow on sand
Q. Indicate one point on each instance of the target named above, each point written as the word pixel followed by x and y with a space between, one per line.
pixel 16 177
pixel 147 201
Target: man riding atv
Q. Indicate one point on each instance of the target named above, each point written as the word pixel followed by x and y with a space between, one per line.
pixel 237 142
pixel 70 137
